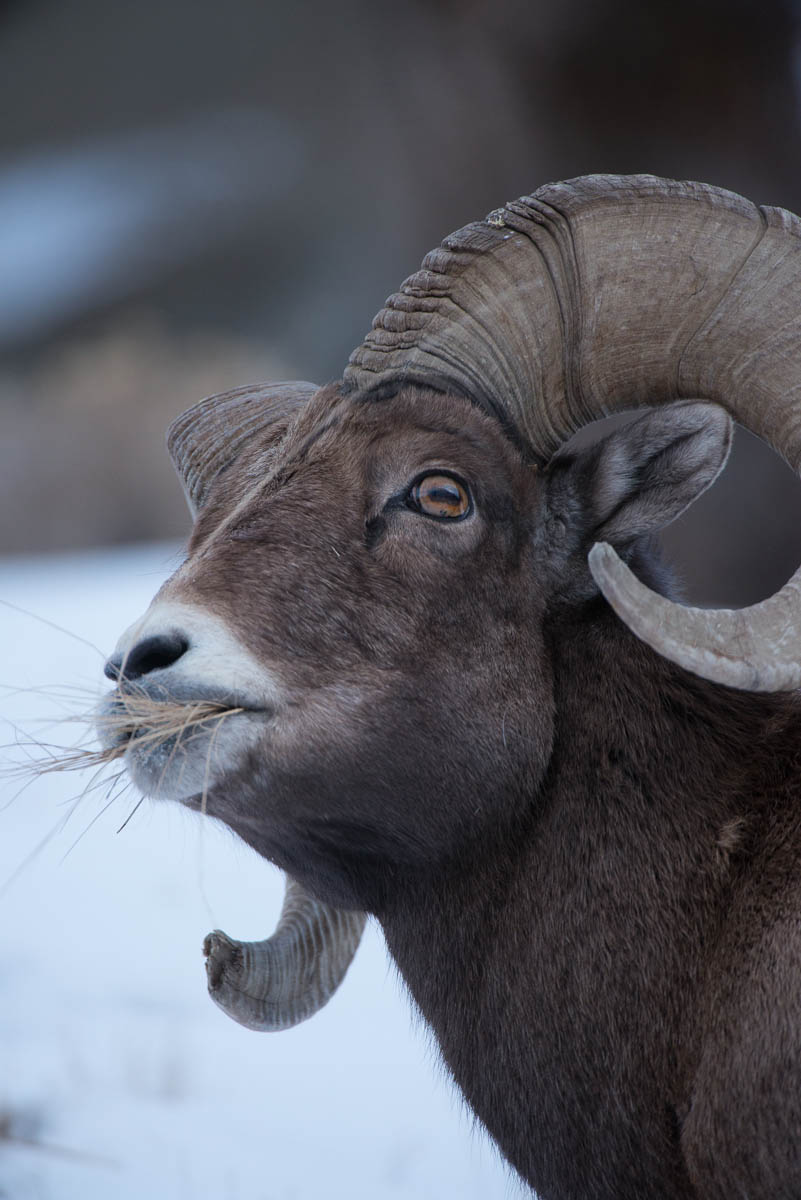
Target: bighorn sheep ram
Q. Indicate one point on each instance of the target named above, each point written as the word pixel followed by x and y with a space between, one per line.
pixel 571 803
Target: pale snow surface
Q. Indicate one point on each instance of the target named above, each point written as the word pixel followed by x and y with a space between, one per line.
pixel 118 1076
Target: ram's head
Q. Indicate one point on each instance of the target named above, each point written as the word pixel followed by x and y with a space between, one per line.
pixel 359 621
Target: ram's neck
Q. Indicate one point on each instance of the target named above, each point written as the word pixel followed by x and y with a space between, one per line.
pixel 568 950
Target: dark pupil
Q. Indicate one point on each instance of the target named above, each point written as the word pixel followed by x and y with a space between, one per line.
pixel 441 497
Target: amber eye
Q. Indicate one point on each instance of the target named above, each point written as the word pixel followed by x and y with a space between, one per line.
pixel 440 496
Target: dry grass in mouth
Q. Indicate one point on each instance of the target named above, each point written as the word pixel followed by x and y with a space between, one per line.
pixel 132 716
pixel 136 717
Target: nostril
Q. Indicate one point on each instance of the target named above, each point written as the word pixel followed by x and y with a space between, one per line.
pixel 151 654
pixel 112 668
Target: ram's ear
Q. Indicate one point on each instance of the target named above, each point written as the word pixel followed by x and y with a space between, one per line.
pixel 210 435
pixel 641 477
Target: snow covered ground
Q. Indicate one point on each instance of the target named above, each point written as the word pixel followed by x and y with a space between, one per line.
pixel 118 1076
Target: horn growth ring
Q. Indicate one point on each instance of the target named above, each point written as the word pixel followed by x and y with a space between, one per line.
pixel 607 293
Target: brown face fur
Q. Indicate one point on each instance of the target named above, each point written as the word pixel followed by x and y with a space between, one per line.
pixel 442 722
pixel 400 641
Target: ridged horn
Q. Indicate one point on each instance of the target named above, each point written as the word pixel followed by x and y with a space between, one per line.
pixel 286 979
pixel 607 293
pixel 208 436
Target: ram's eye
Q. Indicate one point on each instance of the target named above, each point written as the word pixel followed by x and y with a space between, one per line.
pixel 438 495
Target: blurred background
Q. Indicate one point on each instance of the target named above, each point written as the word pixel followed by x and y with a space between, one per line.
pixel 196 195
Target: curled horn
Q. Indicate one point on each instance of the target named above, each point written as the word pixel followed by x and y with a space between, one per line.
pixel 276 983
pixel 209 436
pixel 607 293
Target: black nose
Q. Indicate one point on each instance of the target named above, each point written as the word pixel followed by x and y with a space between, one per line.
pixel 151 654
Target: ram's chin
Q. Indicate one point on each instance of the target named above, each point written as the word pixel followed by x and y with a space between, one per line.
pixel 187 769
pixel 166 774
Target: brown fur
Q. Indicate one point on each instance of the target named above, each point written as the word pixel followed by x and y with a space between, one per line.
pixel 585 861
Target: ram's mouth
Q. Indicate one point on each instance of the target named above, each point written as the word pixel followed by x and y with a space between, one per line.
pixel 175 745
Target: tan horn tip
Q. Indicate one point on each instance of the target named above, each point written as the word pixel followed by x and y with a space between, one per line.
pixel 279 982
pixel 756 649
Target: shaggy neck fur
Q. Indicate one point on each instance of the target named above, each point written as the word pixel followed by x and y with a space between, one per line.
pixel 637 849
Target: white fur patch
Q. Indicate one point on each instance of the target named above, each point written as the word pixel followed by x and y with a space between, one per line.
pixel 215 666
pixel 215 659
